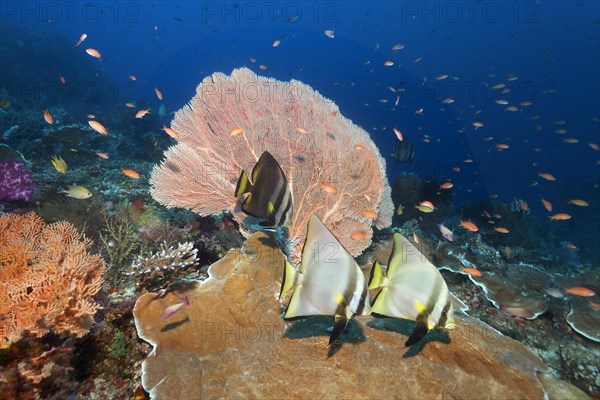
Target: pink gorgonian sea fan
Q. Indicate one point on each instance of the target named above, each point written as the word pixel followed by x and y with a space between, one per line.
pixel 333 167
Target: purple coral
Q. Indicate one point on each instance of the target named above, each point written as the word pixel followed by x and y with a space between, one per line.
pixel 15 182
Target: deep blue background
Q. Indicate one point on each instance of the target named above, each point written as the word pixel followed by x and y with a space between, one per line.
pixel 548 45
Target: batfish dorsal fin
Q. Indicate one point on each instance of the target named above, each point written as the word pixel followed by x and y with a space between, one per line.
pixel 264 163
pixel 398 256
pixel 290 278
pixel 377 276
pixel 243 184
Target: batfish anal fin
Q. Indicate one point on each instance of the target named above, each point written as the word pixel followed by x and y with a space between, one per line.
pixel 340 319
pixel 422 325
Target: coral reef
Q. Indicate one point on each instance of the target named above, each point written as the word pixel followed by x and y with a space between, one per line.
pixel 585 319
pixel 120 243
pixel 231 341
pixel 48 279
pixel 306 134
pixel 16 183
pixel 165 266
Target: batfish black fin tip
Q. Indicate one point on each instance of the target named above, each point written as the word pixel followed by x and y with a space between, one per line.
pixel 338 328
pixel 419 333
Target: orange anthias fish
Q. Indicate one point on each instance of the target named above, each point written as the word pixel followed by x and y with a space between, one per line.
pixel 98 127
pixel 547 204
pixel 62 80
pixel 236 131
pixel 174 308
pixel 446 185
pixel 578 202
pixel 500 229
pixel 130 173
pixel 370 214
pixel 425 206
pixel 132 77
pixel 142 113
pixel 560 217
pixel 94 53
pixel 102 155
pixel 519 312
pixel 358 236
pixel 580 291
pixel 158 93
pixel 48 117
pixel 328 188
pixel 398 134
pixel 471 271
pixel 523 205
pixel 415 238
pixel 81 39
pixel 170 132
pixel 546 176
pixel 470 226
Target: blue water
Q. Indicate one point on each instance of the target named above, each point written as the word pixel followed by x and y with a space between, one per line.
pixel 552 47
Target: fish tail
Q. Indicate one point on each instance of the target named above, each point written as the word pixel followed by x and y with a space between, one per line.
pixel 290 278
pixel 243 185
pixel 377 276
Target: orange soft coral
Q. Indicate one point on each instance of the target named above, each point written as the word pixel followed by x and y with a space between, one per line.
pixel 47 278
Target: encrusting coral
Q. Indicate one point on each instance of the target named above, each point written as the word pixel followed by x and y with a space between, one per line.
pixel 332 166
pixel 48 279
pixel 231 341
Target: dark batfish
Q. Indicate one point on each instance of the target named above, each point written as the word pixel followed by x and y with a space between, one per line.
pixel 269 195
pixel 404 151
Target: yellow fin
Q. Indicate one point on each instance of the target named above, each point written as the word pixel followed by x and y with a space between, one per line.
pixel 271 208
pixel 242 185
pixel 398 255
pixel 420 307
pixel 381 302
pixel 290 278
pixel 377 276
pixel 299 306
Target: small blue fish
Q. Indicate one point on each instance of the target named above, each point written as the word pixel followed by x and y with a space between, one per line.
pixel 174 308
